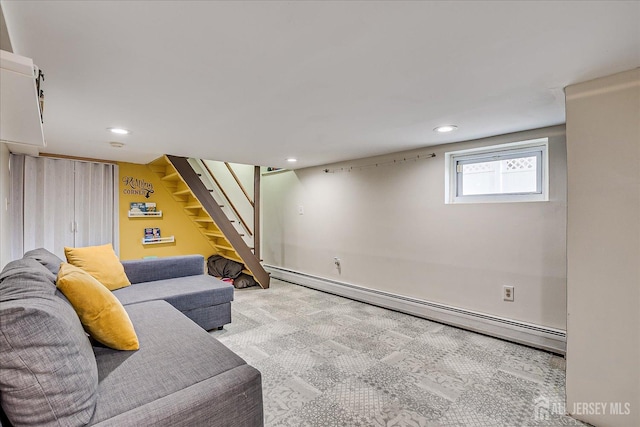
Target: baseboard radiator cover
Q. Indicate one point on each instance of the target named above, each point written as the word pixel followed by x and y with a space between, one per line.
pixel 542 337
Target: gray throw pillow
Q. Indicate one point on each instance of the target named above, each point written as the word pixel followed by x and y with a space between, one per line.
pixel 46 258
pixel 48 371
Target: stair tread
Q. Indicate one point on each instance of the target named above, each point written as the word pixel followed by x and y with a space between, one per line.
pixel 171 176
pixel 234 258
pixel 158 163
pixel 213 234
pixel 162 160
pixel 159 170
pixel 202 219
pixel 198 206
pixel 224 247
pixel 182 192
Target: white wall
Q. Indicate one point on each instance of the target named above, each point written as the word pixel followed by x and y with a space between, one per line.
pixel 5 232
pixel 603 243
pixel 391 229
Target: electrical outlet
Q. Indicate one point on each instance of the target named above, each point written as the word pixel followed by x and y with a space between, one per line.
pixel 300 210
pixel 507 293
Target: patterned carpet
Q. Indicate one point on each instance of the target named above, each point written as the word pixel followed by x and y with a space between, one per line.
pixel 331 361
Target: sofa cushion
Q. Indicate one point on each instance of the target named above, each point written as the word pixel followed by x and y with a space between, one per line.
pixel 48 373
pixel 232 398
pixel 101 262
pixel 50 261
pixel 99 310
pixel 152 269
pixel 184 293
pixel 174 354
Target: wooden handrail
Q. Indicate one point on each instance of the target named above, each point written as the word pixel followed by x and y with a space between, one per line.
pixel 233 207
pixel 233 174
pixel 256 211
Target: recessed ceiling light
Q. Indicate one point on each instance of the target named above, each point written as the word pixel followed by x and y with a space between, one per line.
pixel 119 131
pixel 116 144
pixel 291 160
pixel 446 128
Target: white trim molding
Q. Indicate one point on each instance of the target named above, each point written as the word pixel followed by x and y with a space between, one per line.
pixel 542 337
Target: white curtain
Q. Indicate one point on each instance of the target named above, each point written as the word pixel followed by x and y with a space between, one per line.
pixel 16 218
pixel 60 202
pixel 94 213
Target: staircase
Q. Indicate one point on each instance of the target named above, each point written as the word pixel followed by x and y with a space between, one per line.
pixel 187 188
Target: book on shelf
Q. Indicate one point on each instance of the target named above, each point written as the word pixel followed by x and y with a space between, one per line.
pixel 140 207
pixel 151 234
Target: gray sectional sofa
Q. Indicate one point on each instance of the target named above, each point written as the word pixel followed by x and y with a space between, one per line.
pixel 51 374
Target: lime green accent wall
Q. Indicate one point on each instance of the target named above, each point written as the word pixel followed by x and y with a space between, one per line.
pixel 174 220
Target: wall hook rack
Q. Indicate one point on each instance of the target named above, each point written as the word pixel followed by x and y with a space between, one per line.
pixel 375 165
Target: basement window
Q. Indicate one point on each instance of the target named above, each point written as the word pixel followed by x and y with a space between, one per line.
pixel 514 172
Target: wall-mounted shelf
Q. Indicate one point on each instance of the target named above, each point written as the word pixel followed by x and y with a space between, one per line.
pixel 144 214
pixel 169 239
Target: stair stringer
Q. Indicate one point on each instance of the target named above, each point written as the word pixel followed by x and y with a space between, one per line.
pixel 186 187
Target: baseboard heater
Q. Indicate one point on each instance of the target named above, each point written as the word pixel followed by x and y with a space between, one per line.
pixel 550 339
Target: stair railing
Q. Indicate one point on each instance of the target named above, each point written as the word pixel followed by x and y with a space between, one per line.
pixel 211 179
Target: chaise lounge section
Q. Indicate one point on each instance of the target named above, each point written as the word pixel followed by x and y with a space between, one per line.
pixel 181 281
pixel 181 376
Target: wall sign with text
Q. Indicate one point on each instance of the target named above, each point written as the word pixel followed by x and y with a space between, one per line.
pixel 136 186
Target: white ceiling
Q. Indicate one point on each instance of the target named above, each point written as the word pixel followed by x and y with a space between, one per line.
pixel 256 82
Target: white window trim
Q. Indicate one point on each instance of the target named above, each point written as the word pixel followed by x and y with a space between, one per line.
pixel 450 175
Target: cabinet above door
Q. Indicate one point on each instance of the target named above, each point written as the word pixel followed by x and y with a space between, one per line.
pixel 20 118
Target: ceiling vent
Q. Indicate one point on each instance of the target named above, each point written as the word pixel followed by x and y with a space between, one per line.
pixel 20 103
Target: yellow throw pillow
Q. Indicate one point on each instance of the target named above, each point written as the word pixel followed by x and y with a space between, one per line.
pixel 101 262
pixel 100 312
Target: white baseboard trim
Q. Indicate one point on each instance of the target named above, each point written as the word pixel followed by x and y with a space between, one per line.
pixel 542 337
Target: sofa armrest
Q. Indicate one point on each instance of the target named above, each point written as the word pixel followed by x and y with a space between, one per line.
pixel 151 269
